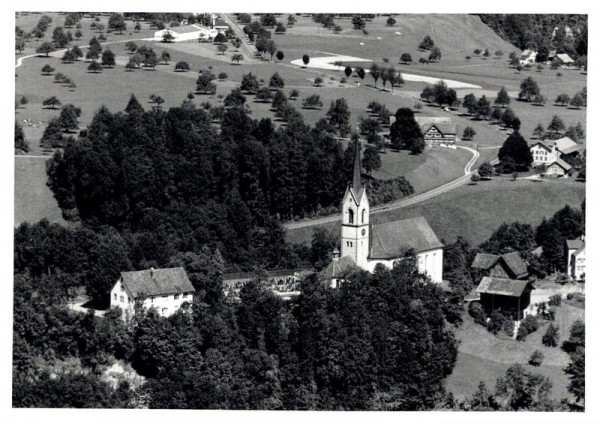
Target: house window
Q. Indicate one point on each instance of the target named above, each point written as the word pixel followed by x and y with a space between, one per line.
pixel 350 216
pixel 121 287
pixel 164 310
pixel 176 296
pixel 152 299
pixel 115 296
pixel 122 299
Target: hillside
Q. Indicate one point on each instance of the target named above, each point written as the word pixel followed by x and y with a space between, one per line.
pixel 475 211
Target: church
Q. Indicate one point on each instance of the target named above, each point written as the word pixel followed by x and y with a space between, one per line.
pixel 365 245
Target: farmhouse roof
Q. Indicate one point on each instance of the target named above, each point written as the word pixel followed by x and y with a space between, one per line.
pixel 527 53
pixel 573 149
pixel 484 261
pixel 503 286
pixel 513 261
pixel 184 29
pixel 516 264
pixel 564 143
pixel 565 58
pixel 338 267
pixel 537 251
pixel 154 282
pixel 446 129
pixel 564 165
pixel 546 144
pixel 393 239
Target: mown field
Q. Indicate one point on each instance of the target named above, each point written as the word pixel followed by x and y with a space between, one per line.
pixel 485 357
pixel 457 36
pixel 475 211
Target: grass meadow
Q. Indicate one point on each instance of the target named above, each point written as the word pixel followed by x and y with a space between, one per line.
pixel 475 211
pixel 485 357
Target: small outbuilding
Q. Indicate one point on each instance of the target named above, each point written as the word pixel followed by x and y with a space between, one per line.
pixel 510 296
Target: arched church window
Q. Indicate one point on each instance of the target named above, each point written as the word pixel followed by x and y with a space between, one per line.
pixel 364 213
pixel 350 216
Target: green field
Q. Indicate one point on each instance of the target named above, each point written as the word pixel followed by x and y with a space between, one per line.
pixel 33 200
pixel 485 357
pixel 475 211
pixel 456 35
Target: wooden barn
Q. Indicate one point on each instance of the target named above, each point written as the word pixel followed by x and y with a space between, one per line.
pixel 510 296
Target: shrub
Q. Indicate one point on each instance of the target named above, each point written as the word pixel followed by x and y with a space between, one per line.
pixel 499 321
pixel 536 358
pixel 555 300
pixel 550 338
pixel 477 313
pixel 528 326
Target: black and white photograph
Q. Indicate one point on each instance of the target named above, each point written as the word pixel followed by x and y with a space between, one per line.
pixel 316 211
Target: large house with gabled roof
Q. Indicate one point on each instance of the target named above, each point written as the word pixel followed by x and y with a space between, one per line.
pixel 509 265
pixel 164 289
pixel 575 252
pixel 364 245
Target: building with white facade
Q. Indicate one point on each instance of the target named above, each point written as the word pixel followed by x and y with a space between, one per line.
pixel 365 245
pixel 164 289
pixel 190 32
pixel 575 251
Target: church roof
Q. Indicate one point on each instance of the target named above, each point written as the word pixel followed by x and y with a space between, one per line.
pixel 337 268
pixel 503 286
pixel 156 282
pixel 393 239
pixel 575 244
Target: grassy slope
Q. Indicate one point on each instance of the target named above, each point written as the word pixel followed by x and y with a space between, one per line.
pixel 475 211
pixel 485 357
pixel 33 201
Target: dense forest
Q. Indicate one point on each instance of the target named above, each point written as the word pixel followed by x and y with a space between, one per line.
pixel 172 182
pixel 327 349
pixel 534 31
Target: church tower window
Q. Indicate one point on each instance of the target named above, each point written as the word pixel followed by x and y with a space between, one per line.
pixel 350 216
pixel 364 212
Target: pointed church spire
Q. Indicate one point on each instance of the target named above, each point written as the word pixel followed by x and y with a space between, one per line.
pixel 356 181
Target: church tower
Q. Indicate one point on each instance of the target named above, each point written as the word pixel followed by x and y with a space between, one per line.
pixel 355 217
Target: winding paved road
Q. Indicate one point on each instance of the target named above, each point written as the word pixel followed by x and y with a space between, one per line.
pixel 464 179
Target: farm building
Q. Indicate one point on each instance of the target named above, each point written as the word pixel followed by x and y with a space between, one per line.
pixel 441 135
pixel 528 57
pixel 575 251
pixel 550 151
pixel 164 289
pixel 565 59
pixel 188 33
pixel 510 296
pixel 558 168
pixel 365 245
pixel 510 265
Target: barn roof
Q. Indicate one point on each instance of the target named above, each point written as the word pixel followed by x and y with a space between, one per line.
pixel 155 282
pixel 513 261
pixel 564 165
pixel 484 261
pixel 516 263
pixel 503 286
pixel 393 239
pixel 564 143
pixel 565 58
pixel 337 268
pixel 184 29
pixel 572 149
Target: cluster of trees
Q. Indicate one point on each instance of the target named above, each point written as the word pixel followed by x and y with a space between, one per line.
pixel 386 74
pixel 20 142
pixel 144 56
pixel 435 53
pixel 578 100
pixel 536 31
pixel 440 93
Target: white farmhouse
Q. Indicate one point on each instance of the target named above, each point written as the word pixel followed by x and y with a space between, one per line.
pixel 528 57
pixel 164 289
pixel 365 245
pixel 190 32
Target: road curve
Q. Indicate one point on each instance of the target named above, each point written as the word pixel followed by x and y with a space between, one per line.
pixel 464 179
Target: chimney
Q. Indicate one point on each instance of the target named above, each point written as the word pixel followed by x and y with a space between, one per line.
pixel 151 272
